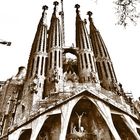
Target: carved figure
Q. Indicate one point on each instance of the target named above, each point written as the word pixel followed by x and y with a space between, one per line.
pixel 80 127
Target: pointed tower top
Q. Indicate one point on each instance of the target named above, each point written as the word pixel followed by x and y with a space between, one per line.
pixel 45 7
pixel 55 3
pixel 77 6
pixel 89 13
pixel 44 16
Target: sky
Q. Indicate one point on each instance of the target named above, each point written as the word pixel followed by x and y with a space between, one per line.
pixel 18 24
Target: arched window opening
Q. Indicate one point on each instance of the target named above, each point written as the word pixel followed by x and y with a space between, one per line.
pixel 37 64
pixel 105 70
pixel 23 109
pixel 42 66
pixel 110 70
pixel 56 34
pixel 70 63
pixel 86 63
pixel 99 70
pixel 46 64
pixel 50 59
pixel 55 58
pixel 89 55
pixel 59 58
pixel 82 61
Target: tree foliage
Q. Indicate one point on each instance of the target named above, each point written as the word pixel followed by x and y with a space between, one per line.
pixel 126 11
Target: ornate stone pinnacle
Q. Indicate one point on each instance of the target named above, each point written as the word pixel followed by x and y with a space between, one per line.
pixel 55 3
pixel 77 6
pixel 89 13
pixel 45 7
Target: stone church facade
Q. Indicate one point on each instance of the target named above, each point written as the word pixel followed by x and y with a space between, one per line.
pixel 67 98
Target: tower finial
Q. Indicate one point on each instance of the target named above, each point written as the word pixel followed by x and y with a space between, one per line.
pixel 55 3
pixel 44 15
pixel 45 7
pixel 77 6
pixel 89 13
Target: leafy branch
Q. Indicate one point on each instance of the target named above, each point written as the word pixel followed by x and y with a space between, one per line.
pixel 126 11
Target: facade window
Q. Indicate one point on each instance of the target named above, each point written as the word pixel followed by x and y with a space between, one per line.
pixel 104 49
pixel 113 72
pixel 59 58
pixel 86 38
pixel 50 59
pixel 40 44
pixel 44 40
pixel 32 67
pixel 90 61
pixel 37 64
pixel 105 70
pixel 59 35
pixel 23 108
pixel 82 61
pixel 86 60
pixel 95 47
pixel 56 34
pixel 83 44
pixel 55 58
pixel 99 70
pixel 99 46
pixel 44 87
pixel 46 63
pixel 110 70
pixel 42 66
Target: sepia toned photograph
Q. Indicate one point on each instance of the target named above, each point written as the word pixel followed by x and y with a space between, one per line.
pixel 69 70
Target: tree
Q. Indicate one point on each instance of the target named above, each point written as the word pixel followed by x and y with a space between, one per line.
pixel 126 11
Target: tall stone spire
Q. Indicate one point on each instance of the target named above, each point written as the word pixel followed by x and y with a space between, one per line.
pixel 85 55
pixel 35 77
pixel 36 63
pixel 104 64
pixel 54 70
pixel 62 23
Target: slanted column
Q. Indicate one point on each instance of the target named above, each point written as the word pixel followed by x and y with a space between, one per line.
pixel 106 114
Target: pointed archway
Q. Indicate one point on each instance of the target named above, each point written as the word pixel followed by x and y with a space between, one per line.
pixel 50 129
pixel 25 134
pixel 87 123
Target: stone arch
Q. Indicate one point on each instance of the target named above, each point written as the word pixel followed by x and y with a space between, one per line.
pixel 86 122
pixel 70 62
pixel 51 128
pixel 70 50
pixel 25 134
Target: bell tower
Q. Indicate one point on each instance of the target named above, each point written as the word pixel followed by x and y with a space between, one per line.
pixel 35 76
pixel 86 58
pixel 54 70
pixel 104 64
